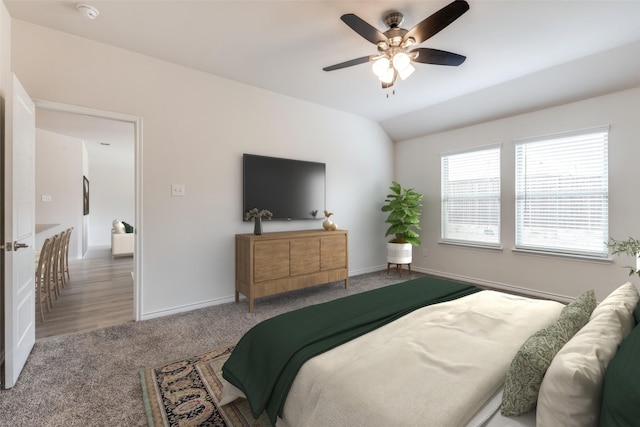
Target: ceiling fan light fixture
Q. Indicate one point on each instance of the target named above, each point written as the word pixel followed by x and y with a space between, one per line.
pixel 387 76
pixel 401 61
pixel 406 72
pixel 380 66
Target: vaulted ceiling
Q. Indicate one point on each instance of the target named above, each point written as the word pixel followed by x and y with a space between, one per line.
pixel 521 55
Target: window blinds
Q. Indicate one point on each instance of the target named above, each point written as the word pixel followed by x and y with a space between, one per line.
pixel 562 193
pixel 470 197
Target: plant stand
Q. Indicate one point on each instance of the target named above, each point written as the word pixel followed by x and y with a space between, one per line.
pixel 398 267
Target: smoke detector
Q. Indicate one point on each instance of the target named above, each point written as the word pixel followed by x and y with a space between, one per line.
pixel 88 11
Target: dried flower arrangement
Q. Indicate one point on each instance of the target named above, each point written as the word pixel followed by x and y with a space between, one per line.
pixel 254 213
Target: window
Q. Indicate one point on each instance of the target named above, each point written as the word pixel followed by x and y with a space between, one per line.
pixel 562 193
pixel 471 197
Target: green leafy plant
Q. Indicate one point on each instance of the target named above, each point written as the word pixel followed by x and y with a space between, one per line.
pixel 404 207
pixel 629 247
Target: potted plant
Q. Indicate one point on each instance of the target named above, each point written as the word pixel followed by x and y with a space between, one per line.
pixel 404 207
pixel 629 247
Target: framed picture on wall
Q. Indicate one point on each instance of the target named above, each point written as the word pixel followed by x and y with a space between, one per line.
pixel 85 195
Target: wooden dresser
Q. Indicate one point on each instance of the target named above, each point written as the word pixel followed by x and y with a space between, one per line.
pixel 272 263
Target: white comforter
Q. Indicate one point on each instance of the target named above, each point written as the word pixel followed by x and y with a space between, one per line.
pixel 434 367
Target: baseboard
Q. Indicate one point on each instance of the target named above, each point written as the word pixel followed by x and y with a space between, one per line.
pixel 362 271
pixel 224 300
pixel 185 308
pixel 498 286
pixel 473 280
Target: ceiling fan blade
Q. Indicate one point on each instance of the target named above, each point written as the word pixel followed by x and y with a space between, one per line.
pixel 437 57
pixel 349 63
pixel 363 28
pixel 436 22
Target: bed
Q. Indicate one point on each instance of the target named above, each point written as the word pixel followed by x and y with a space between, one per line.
pixel 436 352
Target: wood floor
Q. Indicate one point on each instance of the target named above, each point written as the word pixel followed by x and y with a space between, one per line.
pixel 98 294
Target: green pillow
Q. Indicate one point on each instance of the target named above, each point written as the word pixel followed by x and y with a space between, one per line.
pixel 127 228
pixel 580 309
pixel 636 314
pixel 621 392
pixel 532 360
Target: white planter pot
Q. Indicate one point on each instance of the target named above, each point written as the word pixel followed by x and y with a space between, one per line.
pixel 399 253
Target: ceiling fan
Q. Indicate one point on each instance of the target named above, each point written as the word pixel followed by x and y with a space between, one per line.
pixel 394 57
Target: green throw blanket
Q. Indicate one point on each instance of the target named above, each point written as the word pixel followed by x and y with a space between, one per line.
pixel 269 356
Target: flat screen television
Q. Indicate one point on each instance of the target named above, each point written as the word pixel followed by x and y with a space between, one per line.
pixel 290 189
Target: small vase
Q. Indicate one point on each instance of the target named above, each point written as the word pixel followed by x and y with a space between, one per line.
pixel 257 226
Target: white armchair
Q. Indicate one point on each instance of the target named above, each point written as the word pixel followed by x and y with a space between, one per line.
pixel 122 243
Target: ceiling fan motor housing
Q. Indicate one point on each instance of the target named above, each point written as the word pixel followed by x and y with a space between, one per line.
pixel 394 19
pixel 395 36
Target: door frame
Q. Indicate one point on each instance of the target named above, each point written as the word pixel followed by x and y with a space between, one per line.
pixel 137 124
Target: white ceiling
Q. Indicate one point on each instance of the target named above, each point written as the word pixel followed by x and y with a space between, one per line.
pixel 521 55
pixel 106 140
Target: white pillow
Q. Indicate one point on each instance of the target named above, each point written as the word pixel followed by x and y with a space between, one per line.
pixel 118 227
pixel 571 391
pixel 623 300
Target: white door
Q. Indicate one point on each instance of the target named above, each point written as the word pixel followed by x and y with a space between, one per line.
pixel 20 320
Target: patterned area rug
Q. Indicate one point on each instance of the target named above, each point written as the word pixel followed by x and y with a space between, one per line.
pixel 187 393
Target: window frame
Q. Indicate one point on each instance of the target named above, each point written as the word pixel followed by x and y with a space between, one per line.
pixel 446 198
pixel 521 244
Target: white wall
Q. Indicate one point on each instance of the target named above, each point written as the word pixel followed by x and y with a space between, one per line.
pixel 112 186
pixel 61 162
pixel 196 127
pixel 59 175
pixel 418 165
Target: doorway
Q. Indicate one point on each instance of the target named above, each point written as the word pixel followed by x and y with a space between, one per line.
pixel 98 294
pixel 106 137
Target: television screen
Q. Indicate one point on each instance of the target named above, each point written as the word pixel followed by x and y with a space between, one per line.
pixel 290 189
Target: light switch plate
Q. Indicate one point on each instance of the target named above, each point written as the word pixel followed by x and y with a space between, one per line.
pixel 177 190
pixel 46 197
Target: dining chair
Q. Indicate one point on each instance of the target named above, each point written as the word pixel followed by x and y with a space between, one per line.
pixel 66 252
pixel 54 267
pixel 42 277
pixel 62 279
